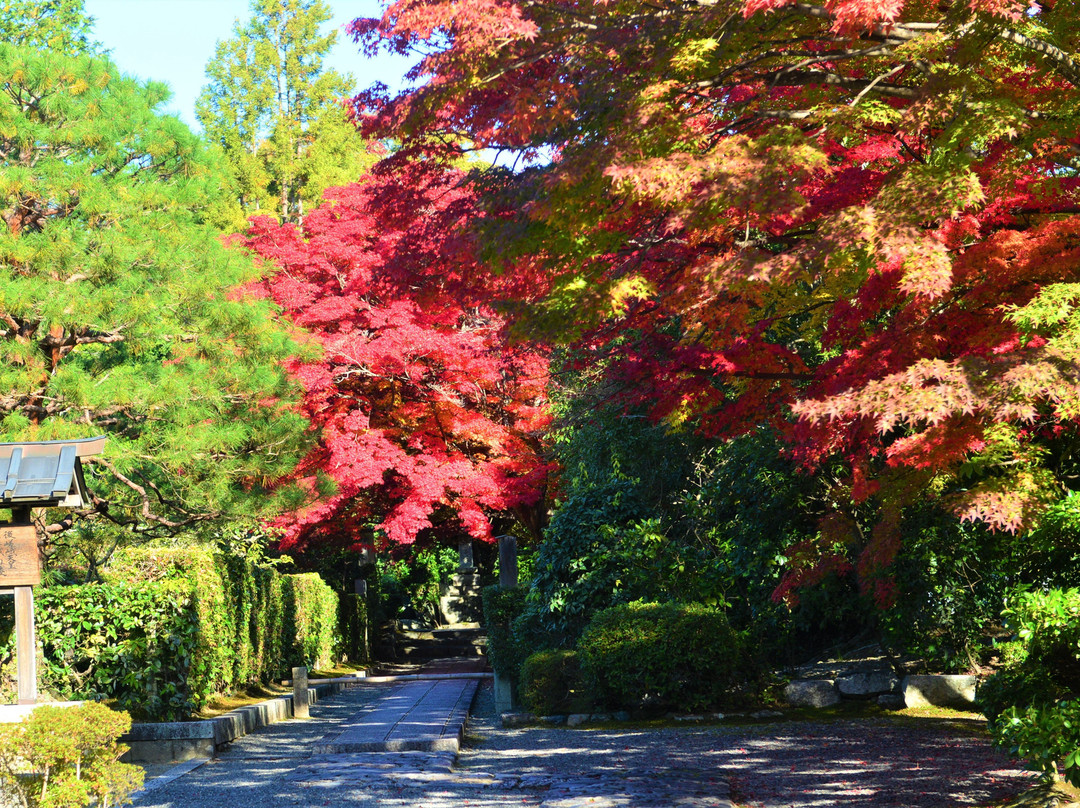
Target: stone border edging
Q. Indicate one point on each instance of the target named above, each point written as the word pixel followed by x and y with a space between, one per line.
pixel 175 773
pixel 14 713
pixel 403 677
pixel 180 741
pixel 521 719
pixel 914 690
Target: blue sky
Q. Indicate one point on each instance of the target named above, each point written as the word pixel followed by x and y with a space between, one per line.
pixel 172 40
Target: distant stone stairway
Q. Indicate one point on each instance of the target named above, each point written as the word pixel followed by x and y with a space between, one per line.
pixel 424 644
pixel 459 615
pixel 461 604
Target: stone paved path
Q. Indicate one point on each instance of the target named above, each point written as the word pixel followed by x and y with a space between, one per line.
pixel 861 763
pixel 420 716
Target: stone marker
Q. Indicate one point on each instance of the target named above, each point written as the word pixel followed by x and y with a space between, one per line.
pixel 466 562
pixel 508 562
pixel 811 693
pixel 505 697
pixel 300 693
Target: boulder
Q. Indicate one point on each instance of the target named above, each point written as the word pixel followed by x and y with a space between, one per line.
pixel 939 690
pixel 517 719
pixel 577 719
pixel 891 701
pixel 869 683
pixel 763 714
pixel 811 693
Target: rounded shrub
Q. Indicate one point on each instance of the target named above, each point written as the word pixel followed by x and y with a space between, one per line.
pixel 549 680
pixel 665 654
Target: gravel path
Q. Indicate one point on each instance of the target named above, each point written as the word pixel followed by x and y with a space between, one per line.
pixel 861 763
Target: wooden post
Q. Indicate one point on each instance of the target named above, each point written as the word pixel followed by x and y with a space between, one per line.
pixel 20 568
pixel 360 587
pixel 25 645
pixel 300 693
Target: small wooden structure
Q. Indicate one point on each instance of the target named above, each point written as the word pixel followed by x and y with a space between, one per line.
pixel 42 474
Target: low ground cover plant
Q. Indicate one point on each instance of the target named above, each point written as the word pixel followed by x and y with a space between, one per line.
pixel 1033 701
pixel 67 757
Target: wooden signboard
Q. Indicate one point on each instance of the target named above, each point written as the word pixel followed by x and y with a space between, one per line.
pixel 19 561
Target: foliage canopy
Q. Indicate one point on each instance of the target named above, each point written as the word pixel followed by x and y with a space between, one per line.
pixel 115 310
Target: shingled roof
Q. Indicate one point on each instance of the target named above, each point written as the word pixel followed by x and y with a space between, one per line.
pixel 46 473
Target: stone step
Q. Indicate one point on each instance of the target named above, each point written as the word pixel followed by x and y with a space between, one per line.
pixel 439 650
pixel 475 635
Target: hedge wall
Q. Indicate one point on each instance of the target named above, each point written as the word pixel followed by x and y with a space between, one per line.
pixel 168 628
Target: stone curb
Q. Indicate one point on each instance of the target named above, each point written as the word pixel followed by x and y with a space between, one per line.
pixel 175 773
pixel 180 741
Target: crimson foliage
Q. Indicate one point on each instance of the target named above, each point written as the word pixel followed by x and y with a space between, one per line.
pixel 430 419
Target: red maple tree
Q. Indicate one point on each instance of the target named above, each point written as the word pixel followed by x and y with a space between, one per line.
pixel 430 420
pixel 854 219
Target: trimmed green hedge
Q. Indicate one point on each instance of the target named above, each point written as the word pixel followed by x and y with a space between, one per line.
pixel 665 654
pixel 171 627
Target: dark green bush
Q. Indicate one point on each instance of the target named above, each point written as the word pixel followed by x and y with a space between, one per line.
pixel 353 642
pixel 669 654
pixel 134 642
pixel 1033 701
pixel 501 608
pixel 412 580
pixel 551 683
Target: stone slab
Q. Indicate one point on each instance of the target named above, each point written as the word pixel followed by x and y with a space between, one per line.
pixel 867 683
pixel 811 693
pixel 14 713
pixel 940 690
pixel 179 750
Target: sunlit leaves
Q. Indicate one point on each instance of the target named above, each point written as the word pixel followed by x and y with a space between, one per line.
pixel 856 212
pixel 116 314
pixel 430 420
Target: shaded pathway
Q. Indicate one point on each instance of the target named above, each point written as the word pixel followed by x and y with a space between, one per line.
pixel 863 763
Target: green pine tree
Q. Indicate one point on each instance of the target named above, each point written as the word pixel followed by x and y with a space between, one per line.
pixel 61 26
pixel 118 309
pixel 277 113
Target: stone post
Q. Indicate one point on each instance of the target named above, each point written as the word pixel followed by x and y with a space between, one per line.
pixel 300 693
pixel 508 566
pixel 360 587
pixel 505 695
